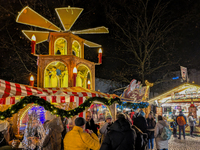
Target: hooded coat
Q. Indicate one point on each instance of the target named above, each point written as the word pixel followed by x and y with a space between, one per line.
pixel 120 137
pixel 141 123
pixel 160 143
pixel 52 141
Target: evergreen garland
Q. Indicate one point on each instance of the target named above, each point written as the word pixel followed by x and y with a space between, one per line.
pixel 54 110
pixel 63 113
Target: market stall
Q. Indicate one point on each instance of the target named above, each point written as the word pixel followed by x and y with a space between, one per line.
pixel 185 97
pixel 67 99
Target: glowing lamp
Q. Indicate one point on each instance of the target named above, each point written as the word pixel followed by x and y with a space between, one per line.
pixel 75 70
pixel 31 80
pixel 88 84
pixel 100 56
pixel 74 76
pixel 33 43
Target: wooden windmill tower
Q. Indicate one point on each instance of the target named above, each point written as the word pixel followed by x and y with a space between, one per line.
pixel 66 49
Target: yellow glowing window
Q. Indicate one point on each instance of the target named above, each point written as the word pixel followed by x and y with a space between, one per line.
pixel 56 75
pixel 83 76
pixel 60 46
pixel 76 49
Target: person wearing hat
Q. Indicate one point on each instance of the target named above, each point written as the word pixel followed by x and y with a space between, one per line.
pixel 78 139
pixel 121 135
pixel 106 127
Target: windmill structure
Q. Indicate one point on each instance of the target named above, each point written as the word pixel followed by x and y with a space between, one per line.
pixel 65 65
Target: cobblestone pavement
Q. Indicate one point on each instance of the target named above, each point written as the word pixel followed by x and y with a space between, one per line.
pixel 188 144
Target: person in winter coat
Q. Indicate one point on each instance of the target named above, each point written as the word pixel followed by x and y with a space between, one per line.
pixel 78 139
pixel 150 127
pixel 106 127
pixel 7 136
pixel 121 135
pixel 160 143
pixel 90 123
pixel 181 121
pixel 141 139
pixel 141 122
pixel 191 122
pixel 53 139
pixel 173 124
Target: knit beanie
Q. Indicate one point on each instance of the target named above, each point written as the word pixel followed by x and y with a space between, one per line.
pixel 108 117
pixel 79 121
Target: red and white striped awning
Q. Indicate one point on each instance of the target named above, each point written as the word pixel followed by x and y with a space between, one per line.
pixel 11 93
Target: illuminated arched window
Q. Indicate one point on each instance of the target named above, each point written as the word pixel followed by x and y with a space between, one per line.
pixel 60 46
pixel 56 75
pixel 83 76
pixel 76 48
pixel 39 110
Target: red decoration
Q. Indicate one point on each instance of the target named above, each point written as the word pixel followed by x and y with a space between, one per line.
pixel 192 105
pixel 33 43
pixel 31 80
pixel 88 84
pixel 100 56
pixel 74 76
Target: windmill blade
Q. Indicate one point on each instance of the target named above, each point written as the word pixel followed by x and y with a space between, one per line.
pixel 41 36
pixel 97 30
pixel 91 44
pixel 30 17
pixel 68 16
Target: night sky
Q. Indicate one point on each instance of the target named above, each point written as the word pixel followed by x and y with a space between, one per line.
pixel 17 63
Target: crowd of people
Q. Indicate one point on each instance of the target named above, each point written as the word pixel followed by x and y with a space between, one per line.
pixel 128 132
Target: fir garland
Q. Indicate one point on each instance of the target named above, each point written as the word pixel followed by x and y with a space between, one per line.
pixel 54 110
pixel 63 113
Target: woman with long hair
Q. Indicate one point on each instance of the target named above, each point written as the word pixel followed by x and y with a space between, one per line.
pixel 150 128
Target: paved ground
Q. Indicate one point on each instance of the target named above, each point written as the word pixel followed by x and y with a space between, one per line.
pixel 188 144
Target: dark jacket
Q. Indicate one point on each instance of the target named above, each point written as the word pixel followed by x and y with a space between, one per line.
pixel 120 137
pixel 141 123
pixel 141 139
pixel 91 126
pixel 150 125
pixel 181 114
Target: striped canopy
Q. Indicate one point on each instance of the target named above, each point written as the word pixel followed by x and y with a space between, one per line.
pixel 11 93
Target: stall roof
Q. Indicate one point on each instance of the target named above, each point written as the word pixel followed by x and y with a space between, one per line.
pixel 184 92
pixel 9 91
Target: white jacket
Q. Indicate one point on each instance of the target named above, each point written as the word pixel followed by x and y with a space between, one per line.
pixel 160 143
pixel 191 121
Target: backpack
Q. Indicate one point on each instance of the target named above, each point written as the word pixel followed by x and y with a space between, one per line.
pixel 181 120
pixel 166 133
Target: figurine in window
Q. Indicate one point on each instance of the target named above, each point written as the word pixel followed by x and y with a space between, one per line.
pixel 79 79
pixel 54 78
pixel 58 52
pixel 47 78
pixel 65 78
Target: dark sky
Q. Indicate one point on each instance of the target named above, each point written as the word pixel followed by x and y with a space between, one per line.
pixel 18 61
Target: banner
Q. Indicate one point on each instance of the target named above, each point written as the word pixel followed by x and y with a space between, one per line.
pixel 135 91
pixel 183 72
